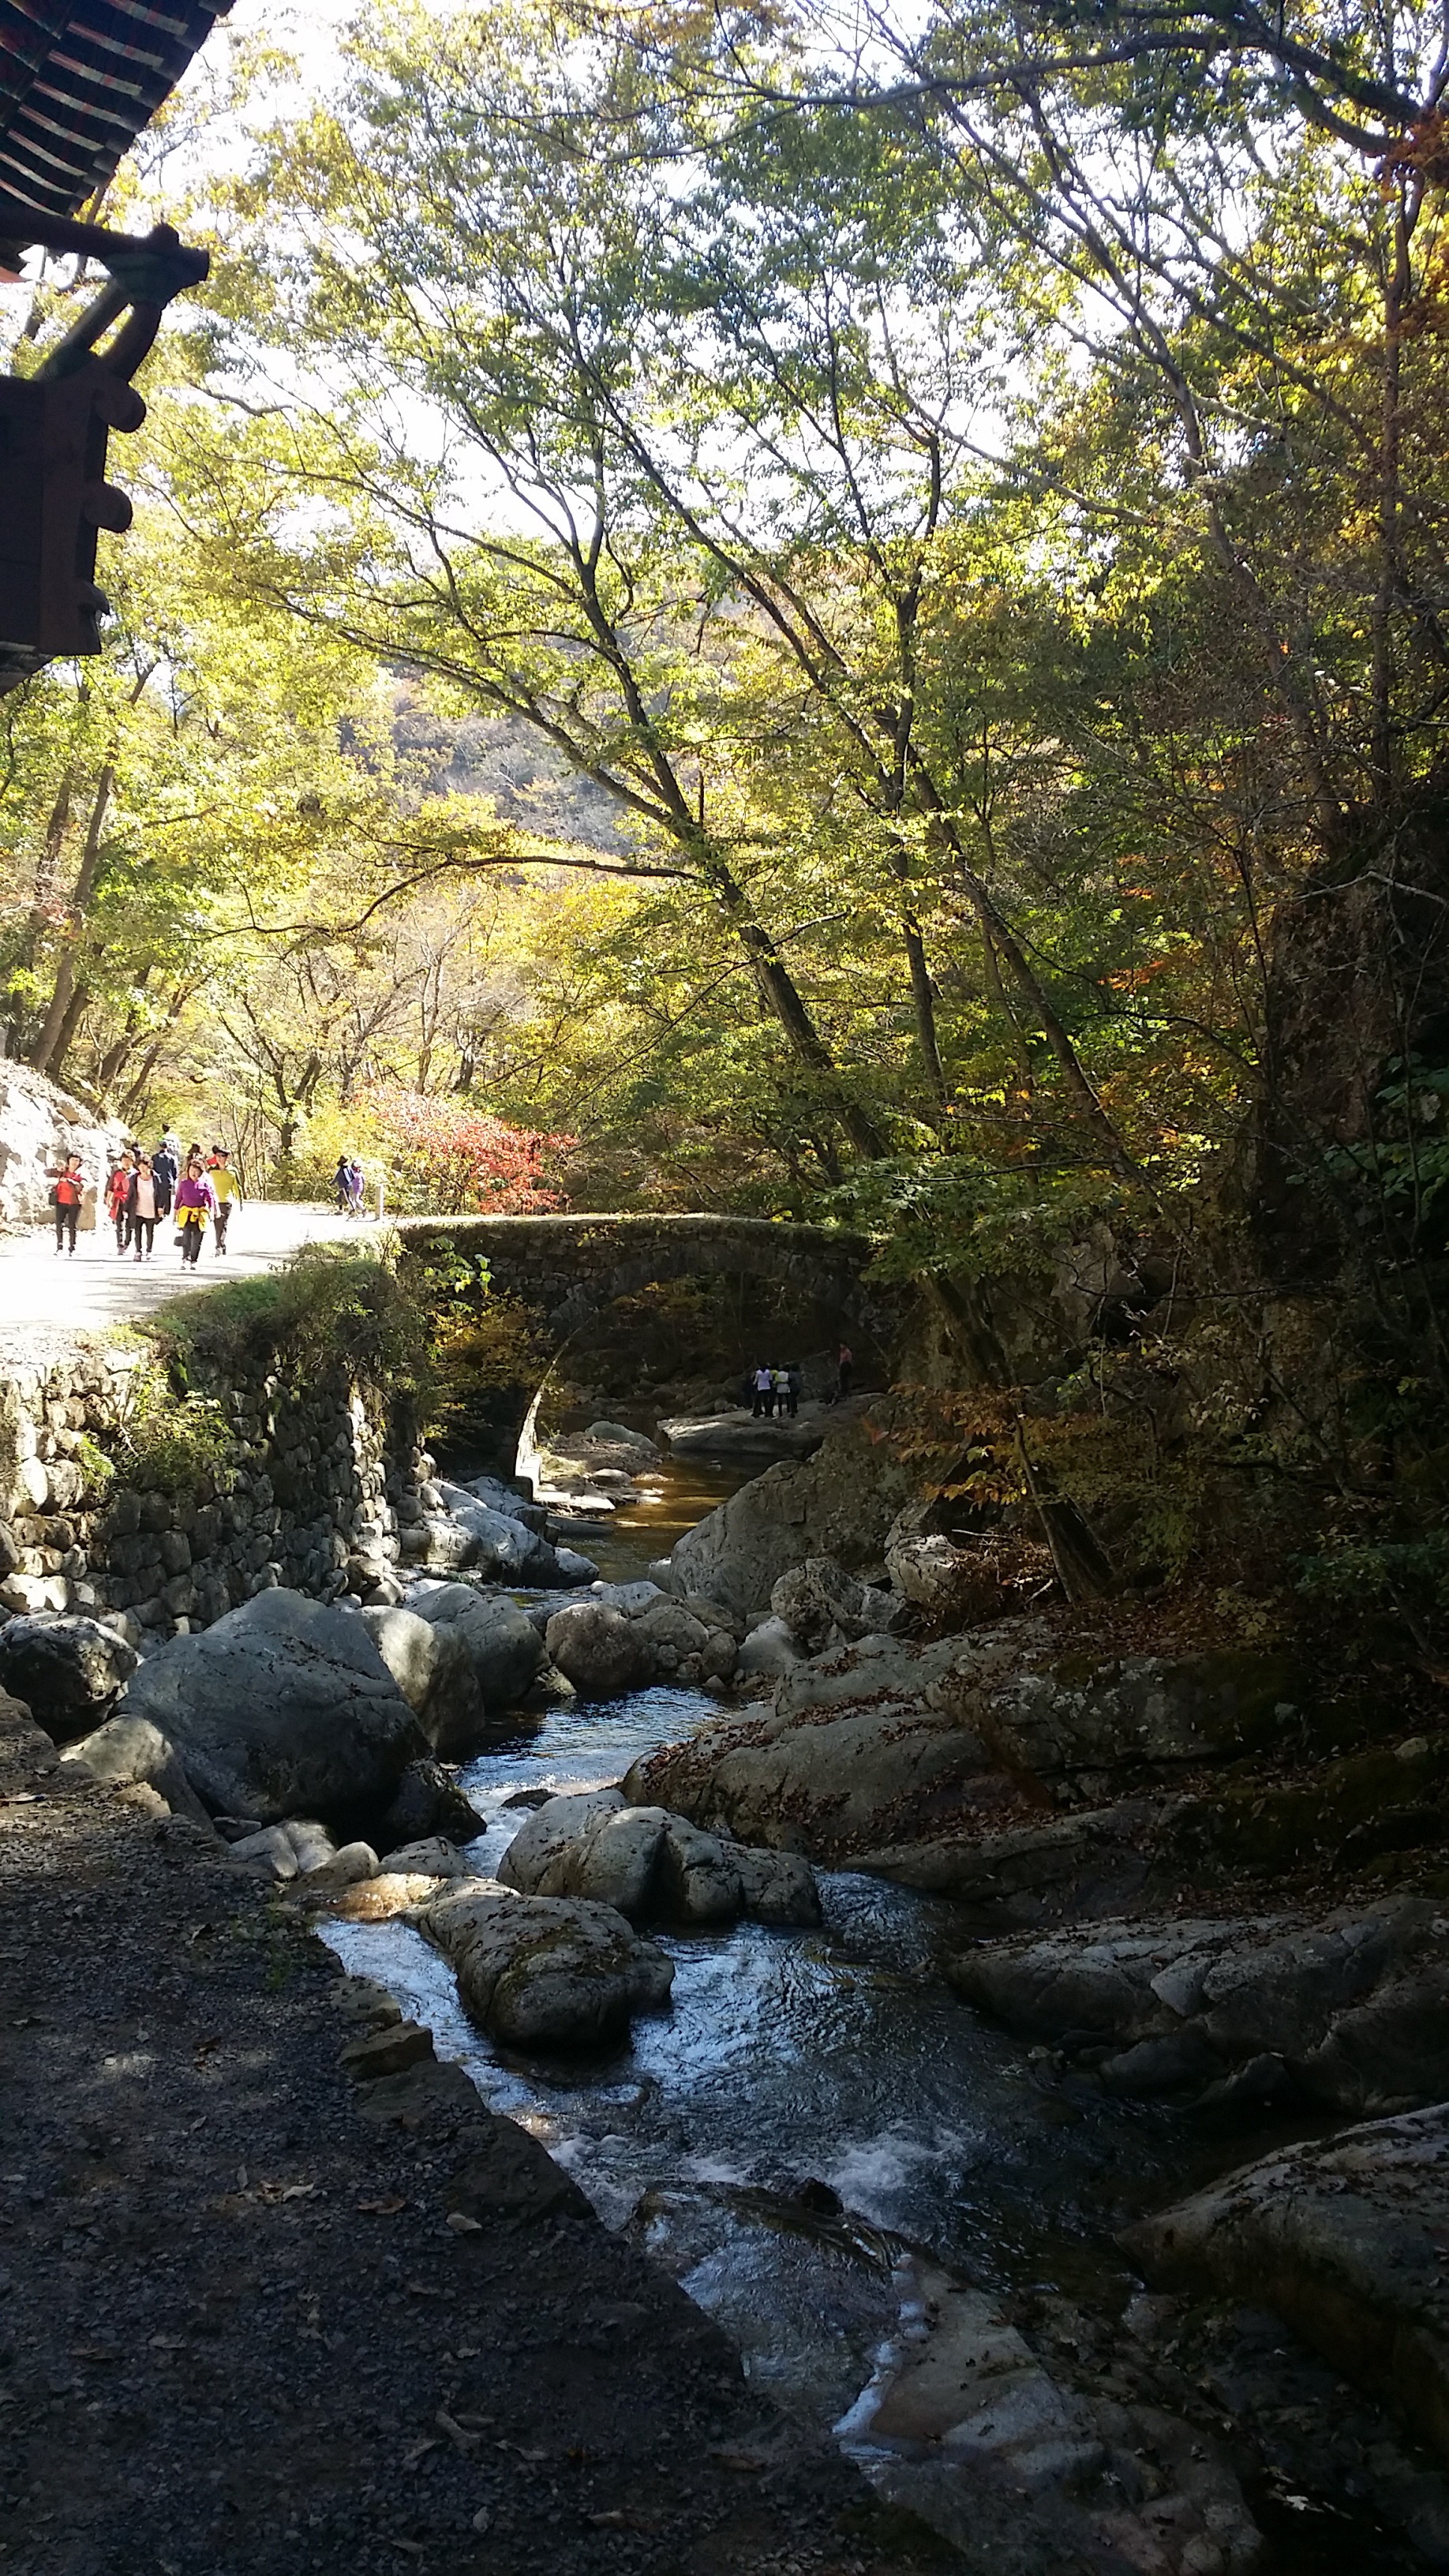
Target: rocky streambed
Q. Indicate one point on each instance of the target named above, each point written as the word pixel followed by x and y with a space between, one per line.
pixel 829 1927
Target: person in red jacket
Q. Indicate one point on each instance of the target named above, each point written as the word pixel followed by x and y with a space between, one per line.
pixel 67 1191
pixel 118 1191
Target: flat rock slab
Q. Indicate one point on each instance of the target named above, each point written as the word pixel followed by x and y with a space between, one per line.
pixel 545 1972
pixel 1351 2010
pixel 1348 2238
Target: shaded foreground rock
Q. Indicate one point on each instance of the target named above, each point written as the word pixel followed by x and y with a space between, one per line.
pixel 1345 2237
pixel 545 1972
pixel 652 1865
pixel 620 1637
pixel 1352 2011
pixel 284 1707
pixel 1027 2473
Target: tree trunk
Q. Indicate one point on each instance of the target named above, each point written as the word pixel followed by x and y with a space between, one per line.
pixel 58 1018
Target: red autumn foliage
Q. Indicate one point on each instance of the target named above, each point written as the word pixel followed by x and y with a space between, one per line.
pixel 454 1160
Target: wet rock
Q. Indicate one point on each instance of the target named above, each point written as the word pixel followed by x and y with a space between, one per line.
pixel 284 1707
pixel 434 1857
pixel 65 1669
pixel 428 1800
pixel 1345 2238
pixel 650 1864
pixel 1352 2011
pixel 545 1972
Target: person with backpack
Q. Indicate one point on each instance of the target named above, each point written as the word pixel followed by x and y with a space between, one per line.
pixel 141 1208
pixel 118 1191
pixel 227 1190
pixel 165 1173
pixel 67 1191
pixel 195 1203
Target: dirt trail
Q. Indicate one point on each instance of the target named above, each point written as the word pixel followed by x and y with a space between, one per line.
pixel 237 2330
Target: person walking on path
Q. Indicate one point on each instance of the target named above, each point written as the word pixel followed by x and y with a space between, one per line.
pixel 165 1173
pixel 356 1185
pixel 844 1365
pixel 141 1208
pixel 118 1191
pixel 764 1385
pixel 342 1184
pixel 67 1191
pixel 195 1202
pixel 227 1190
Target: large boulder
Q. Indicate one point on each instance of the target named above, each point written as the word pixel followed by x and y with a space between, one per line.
pixel 652 1865
pixel 599 1650
pixel 890 1742
pixel 1352 2011
pixel 282 1708
pixel 430 1662
pixel 506 1550
pixel 1343 2236
pixel 545 1972
pixel 66 1670
pixel 501 1642
pixel 39 1125
pixel 841 1503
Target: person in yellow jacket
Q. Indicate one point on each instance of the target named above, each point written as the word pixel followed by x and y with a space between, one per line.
pixel 228 1191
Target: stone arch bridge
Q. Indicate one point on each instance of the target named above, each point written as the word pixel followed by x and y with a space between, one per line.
pixel 570 1269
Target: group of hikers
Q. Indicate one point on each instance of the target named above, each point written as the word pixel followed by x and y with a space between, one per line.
pixel 198 1189
pixel 778 1390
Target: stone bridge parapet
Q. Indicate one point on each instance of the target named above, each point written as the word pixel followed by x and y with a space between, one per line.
pixel 571 1268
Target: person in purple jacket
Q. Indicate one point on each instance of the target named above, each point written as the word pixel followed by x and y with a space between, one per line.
pixel 195 1204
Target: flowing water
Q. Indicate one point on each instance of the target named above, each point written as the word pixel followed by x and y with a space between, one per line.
pixel 815 2105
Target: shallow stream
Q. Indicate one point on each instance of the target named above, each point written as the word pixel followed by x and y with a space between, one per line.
pixel 792 2060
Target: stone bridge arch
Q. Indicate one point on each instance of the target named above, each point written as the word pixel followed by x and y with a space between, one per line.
pixel 570 1269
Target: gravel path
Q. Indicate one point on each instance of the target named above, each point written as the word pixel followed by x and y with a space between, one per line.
pixel 45 1299
pixel 237 2328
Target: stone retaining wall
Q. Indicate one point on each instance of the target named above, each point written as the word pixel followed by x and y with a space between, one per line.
pixel 321 1478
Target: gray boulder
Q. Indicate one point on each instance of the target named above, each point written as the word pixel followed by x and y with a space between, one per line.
pixel 545 1972
pixel 428 1801
pixel 65 1669
pixel 599 1650
pixel 650 1864
pixel 841 1503
pixel 430 1662
pixel 505 1551
pixel 821 1605
pixel 282 1708
pixel 129 1752
pixel 1352 2011
pixel 501 1642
